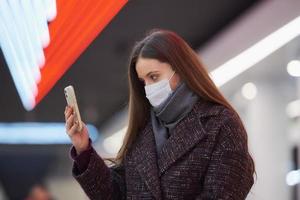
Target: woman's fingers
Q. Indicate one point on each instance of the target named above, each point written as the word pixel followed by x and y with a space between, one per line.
pixel 68 112
pixel 71 125
pixel 70 122
pixel 73 129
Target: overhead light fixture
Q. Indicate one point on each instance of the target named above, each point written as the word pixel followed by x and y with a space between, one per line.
pixel 293 178
pixel 23 35
pixel 293 68
pixel 34 62
pixel 293 109
pixel 249 91
pixel 256 53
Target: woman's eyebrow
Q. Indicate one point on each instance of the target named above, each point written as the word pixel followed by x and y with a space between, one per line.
pixel 149 73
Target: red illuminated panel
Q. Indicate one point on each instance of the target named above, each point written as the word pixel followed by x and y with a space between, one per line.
pixel 77 24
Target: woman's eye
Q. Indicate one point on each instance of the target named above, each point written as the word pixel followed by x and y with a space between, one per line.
pixel 154 77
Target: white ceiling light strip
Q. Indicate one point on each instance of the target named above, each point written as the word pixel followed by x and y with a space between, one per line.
pixel 14 63
pixel 41 15
pixel 256 53
pixel 25 48
pixel 23 35
pixel 31 21
pixel 14 39
pixel 51 12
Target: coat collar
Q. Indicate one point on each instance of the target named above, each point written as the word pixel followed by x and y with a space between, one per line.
pixel 187 133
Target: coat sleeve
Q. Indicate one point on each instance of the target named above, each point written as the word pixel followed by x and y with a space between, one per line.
pixel 230 172
pixel 100 181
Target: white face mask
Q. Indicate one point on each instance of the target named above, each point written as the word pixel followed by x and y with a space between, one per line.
pixel 158 92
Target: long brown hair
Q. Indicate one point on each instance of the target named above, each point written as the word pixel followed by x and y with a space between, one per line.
pixel 165 46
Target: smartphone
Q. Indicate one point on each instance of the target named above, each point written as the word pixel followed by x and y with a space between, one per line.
pixel 72 102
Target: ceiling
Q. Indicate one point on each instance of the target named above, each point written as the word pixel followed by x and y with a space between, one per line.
pixel 99 74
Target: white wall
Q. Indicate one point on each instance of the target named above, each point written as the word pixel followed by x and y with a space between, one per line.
pixel 267 124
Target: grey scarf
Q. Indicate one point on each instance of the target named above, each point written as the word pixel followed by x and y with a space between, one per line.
pixel 165 117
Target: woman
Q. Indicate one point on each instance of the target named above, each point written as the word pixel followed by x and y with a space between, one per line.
pixel 184 140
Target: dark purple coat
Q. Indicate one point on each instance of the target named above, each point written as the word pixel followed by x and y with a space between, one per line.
pixel 206 157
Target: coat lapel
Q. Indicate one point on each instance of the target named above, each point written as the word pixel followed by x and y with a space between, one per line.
pixel 187 133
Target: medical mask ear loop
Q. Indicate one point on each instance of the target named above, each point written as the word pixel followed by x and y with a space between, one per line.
pixel 170 79
pixel 171 76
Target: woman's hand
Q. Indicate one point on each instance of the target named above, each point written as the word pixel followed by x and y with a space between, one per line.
pixel 80 139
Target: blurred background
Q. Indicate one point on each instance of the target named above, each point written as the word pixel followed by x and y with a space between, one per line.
pixel 251 48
